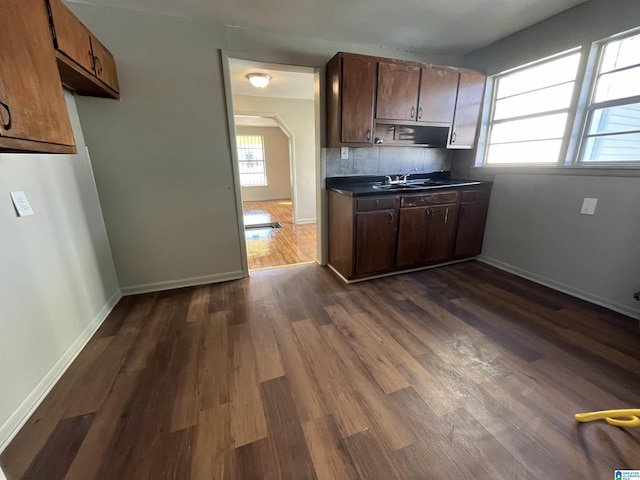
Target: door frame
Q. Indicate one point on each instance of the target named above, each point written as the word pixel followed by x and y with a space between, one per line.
pixel 321 227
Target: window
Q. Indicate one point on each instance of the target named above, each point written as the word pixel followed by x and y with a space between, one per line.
pixel 530 107
pixel 252 169
pixel 612 132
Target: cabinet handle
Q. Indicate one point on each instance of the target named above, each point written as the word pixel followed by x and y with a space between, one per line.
pixel 413 111
pixel 462 209
pixel 97 65
pixel 6 126
pixel 428 213
pixel 453 137
pixel 390 217
pixel 446 215
pixel 369 134
pixel 420 113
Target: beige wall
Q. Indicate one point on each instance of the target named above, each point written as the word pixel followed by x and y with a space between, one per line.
pixel 276 150
pixel 298 118
pixel 57 279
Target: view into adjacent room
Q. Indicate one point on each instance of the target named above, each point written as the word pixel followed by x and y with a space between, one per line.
pixel 275 140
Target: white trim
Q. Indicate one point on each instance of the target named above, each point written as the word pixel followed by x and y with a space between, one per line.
pixel 2 477
pixel 17 420
pixel 561 287
pixel 184 282
pixel 304 221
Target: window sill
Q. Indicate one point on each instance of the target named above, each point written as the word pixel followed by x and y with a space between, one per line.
pixel 594 171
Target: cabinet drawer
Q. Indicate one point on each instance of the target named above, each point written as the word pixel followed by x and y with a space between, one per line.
pixel 471 195
pixel 429 199
pixel 382 203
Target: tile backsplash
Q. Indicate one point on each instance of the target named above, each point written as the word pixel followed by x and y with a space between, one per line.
pixel 384 160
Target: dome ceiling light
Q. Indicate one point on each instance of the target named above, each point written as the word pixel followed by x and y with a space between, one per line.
pixel 259 80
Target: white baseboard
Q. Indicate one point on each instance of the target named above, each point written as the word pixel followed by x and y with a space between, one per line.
pixel 2 477
pixel 184 282
pixel 561 287
pixel 304 221
pixel 15 422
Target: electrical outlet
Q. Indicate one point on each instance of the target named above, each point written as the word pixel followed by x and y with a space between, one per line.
pixel 344 153
pixel 589 206
pixel 21 204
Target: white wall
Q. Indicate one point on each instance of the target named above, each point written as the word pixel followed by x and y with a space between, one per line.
pixel 298 116
pixel 58 280
pixel 534 226
pixel 162 155
pixel 276 151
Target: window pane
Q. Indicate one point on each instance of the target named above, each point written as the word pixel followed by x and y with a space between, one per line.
pixel 542 151
pixel 251 162
pixel 539 76
pixel 549 126
pixel 553 98
pixel 618 85
pixel 620 54
pixel 614 148
pixel 624 118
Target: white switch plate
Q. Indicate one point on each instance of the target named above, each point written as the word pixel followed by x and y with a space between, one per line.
pixel 21 204
pixel 344 153
pixel 589 206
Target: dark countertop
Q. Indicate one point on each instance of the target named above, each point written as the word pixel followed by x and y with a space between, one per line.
pixel 367 185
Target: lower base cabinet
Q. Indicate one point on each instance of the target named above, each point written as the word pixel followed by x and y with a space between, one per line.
pixel 376 235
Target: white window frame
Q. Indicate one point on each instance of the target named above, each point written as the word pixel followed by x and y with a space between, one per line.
pixel 579 114
pixel 240 145
pixel 591 105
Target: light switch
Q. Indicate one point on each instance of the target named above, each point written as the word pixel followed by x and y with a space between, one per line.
pixel 21 204
pixel 589 206
pixel 344 153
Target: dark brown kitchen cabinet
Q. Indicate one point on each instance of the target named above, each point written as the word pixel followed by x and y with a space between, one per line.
pixel 472 217
pixel 467 111
pixel 362 234
pixel 33 111
pixel 426 233
pixel 397 93
pixel 85 65
pixel 351 83
pixel 375 241
pixel 438 89
pixel 407 92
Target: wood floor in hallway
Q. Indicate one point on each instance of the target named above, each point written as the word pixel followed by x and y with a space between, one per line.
pixel 275 247
pixel 458 372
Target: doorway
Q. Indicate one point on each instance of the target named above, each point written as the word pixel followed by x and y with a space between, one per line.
pixel 276 162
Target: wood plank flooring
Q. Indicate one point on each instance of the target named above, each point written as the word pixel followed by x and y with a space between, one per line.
pixel 456 372
pixel 290 245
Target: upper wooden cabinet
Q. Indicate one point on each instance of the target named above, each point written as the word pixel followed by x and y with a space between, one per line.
pixel 85 65
pixel 467 111
pixel 33 112
pixel 415 104
pixel 398 91
pixel 351 81
pixel 438 89
pixel 407 92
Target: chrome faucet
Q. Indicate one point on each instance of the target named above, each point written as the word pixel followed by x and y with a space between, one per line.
pixel 400 179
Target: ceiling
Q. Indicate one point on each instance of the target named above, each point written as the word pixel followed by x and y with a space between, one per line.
pixel 430 26
pixel 293 82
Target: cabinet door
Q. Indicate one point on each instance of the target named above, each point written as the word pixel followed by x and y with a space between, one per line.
pixel 467 111
pixel 33 113
pixel 412 236
pixel 442 228
pixel 437 95
pixel 105 64
pixel 358 91
pixel 71 37
pixel 471 223
pixel 375 241
pixel 397 96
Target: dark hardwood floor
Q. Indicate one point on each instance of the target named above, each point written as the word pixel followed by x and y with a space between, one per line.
pixel 457 372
